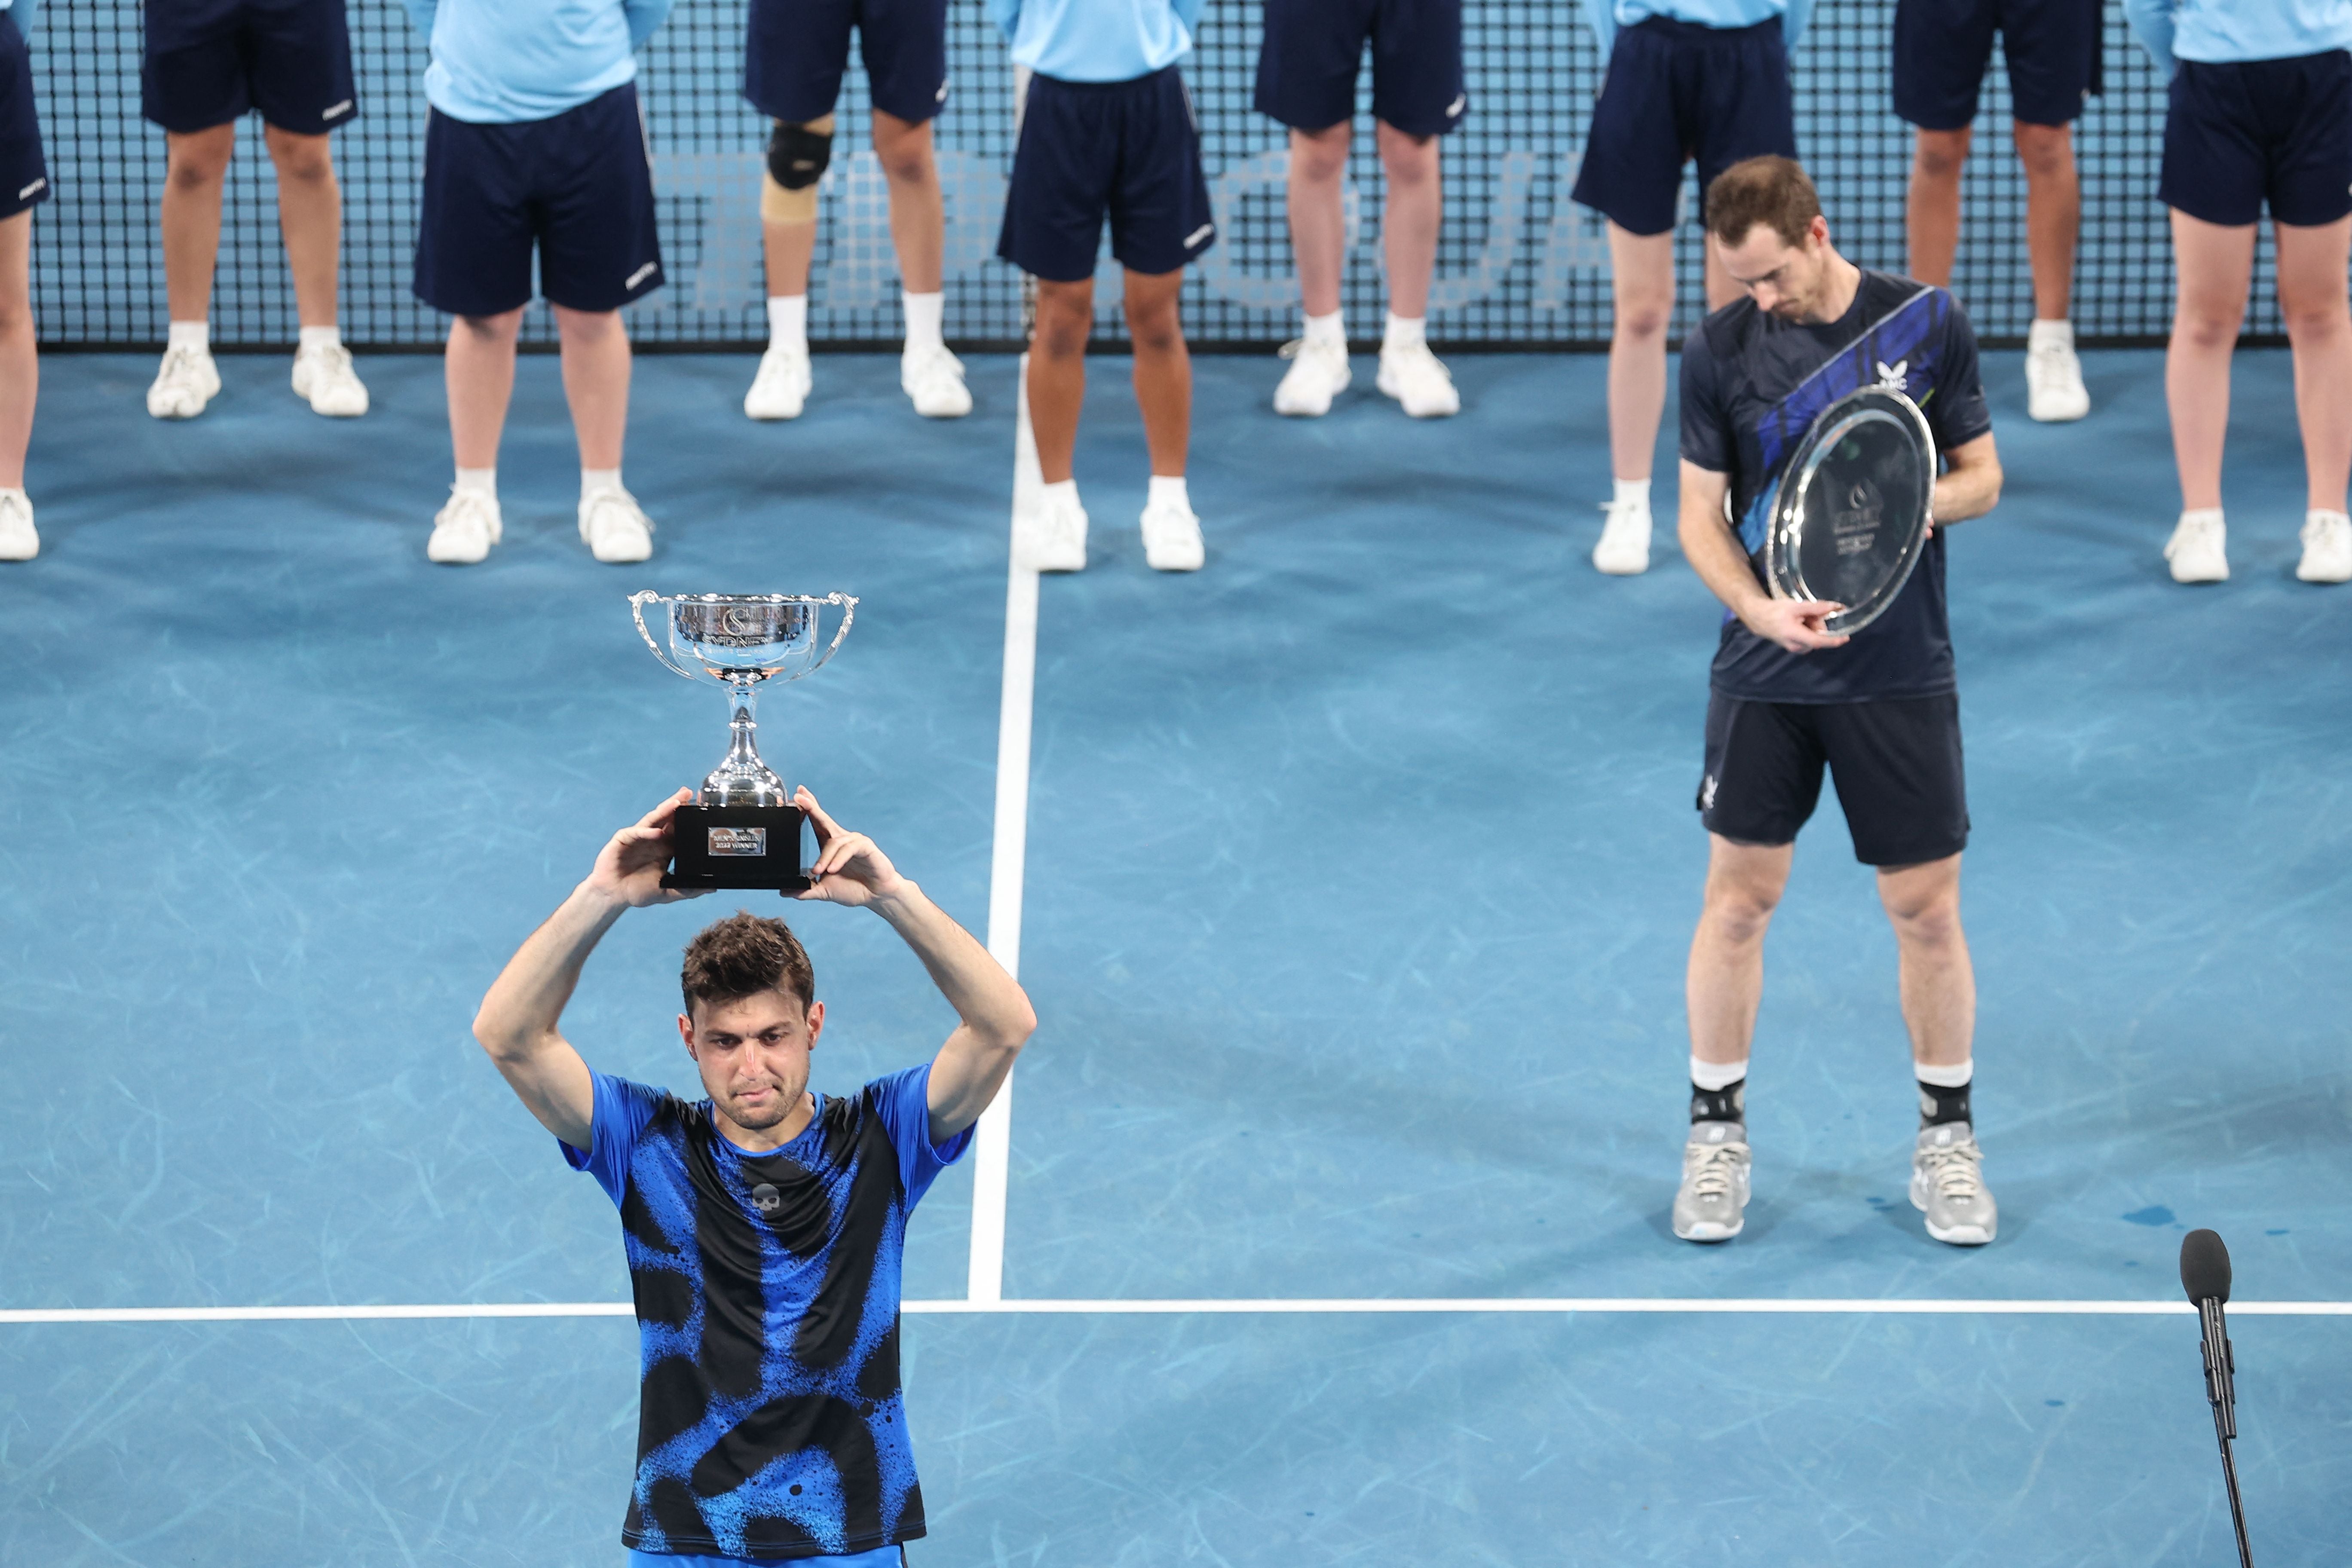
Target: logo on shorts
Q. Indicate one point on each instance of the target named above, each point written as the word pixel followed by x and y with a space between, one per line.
pixel 641 273
pixel 1460 101
pixel 36 186
pixel 336 110
pixel 1894 377
pixel 942 96
pixel 1200 236
pixel 1707 792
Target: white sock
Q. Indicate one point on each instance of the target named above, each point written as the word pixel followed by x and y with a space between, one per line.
pixel 788 321
pixel 925 320
pixel 2212 511
pixel 1403 333
pixel 1631 491
pixel 477 481
pixel 2041 332
pixel 194 335
pixel 595 482
pixel 1169 488
pixel 326 337
pixel 1954 1077
pixel 1061 490
pixel 1331 329
pixel 1716 1076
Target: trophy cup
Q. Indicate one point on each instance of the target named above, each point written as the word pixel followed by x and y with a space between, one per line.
pixel 742 830
pixel 1850 519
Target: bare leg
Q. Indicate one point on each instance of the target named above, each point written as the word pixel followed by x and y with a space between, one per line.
pixel 480 371
pixel 2311 269
pixel 1163 367
pixel 1410 218
pixel 311 216
pixel 1643 285
pixel 1931 209
pixel 1057 373
pixel 1725 980
pixel 2053 214
pixel 198 162
pixel 2215 266
pixel 789 248
pixel 1939 986
pixel 917 211
pixel 1319 229
pixel 20 363
pixel 595 382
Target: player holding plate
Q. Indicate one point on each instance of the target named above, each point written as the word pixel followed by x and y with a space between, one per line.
pixel 1879 708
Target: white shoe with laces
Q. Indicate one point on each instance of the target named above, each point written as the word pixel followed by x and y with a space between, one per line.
pixel 1318 373
pixel 464 530
pixel 1711 1203
pixel 1417 379
pixel 1171 537
pixel 187 380
pixel 2326 548
pixel 2199 549
pixel 324 378
pixel 934 378
pixel 1054 536
pixel 19 542
pixel 1624 547
pixel 780 389
pixel 1947 1185
pixel 616 529
pixel 2054 393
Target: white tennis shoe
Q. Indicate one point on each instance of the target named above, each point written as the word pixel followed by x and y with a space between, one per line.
pixel 1171 537
pixel 1624 547
pixel 19 542
pixel 1054 536
pixel 186 382
pixel 324 378
pixel 2054 393
pixel 1318 373
pixel 2326 548
pixel 933 378
pixel 464 530
pixel 1418 380
pixel 1712 1201
pixel 780 389
pixel 1947 1185
pixel 2199 549
pixel 616 529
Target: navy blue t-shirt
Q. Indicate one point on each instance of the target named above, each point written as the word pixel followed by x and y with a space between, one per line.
pixel 1752 386
pixel 770 1422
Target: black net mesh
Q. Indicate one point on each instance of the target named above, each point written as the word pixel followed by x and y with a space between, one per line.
pixel 1518 264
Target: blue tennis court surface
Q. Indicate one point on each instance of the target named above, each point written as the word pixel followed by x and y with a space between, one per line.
pixel 1360 872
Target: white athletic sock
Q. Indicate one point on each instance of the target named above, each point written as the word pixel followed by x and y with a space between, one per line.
pixel 1402 331
pixel 194 335
pixel 788 321
pixel 2041 332
pixel 477 481
pixel 1954 1077
pixel 1631 491
pixel 595 482
pixel 1062 490
pixel 1716 1076
pixel 925 320
pixel 1331 329
pixel 325 337
pixel 1168 488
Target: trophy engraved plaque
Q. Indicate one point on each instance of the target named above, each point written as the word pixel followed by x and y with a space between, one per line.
pixel 742 830
pixel 1850 518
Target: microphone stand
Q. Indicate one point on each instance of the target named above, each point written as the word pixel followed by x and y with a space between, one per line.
pixel 2221 1390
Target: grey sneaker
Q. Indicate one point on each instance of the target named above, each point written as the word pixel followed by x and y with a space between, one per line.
pixel 1715 1183
pixel 1948 1186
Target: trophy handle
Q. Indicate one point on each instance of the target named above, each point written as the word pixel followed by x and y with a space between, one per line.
pixel 849 602
pixel 637 602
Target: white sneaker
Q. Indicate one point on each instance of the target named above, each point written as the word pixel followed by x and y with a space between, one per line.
pixel 2053 382
pixel 1318 373
pixel 1624 547
pixel 1415 378
pixel 187 380
pixel 616 529
pixel 464 530
pixel 17 539
pixel 2199 548
pixel 934 378
pixel 780 389
pixel 1947 1185
pixel 2326 548
pixel 1171 538
pixel 324 378
pixel 1054 538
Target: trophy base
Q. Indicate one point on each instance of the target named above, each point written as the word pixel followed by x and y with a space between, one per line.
pixel 735 847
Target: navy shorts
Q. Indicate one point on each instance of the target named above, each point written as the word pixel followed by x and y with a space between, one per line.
pixel 208 61
pixel 1895 762
pixel 23 173
pixel 794 52
pixel 578 186
pixel 1675 92
pixel 1306 65
pixel 1942 48
pixel 1129 150
pixel 2239 134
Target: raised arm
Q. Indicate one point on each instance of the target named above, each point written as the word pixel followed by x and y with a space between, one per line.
pixel 517 1023
pixel 995 1018
pixel 1716 555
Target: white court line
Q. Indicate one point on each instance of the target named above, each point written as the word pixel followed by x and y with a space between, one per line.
pixel 1364 1306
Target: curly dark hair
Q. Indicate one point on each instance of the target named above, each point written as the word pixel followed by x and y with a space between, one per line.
pixel 1772 190
pixel 743 955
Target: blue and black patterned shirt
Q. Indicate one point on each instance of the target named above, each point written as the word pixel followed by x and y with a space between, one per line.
pixel 770 1422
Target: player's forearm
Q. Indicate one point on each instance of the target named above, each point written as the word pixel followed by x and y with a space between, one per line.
pixel 1971 486
pixel 993 1007
pixel 1714 552
pixel 524 1004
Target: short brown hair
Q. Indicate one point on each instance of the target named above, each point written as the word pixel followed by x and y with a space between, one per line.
pixel 1769 190
pixel 743 955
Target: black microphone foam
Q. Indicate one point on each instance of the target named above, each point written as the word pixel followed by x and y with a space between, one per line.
pixel 2204 1266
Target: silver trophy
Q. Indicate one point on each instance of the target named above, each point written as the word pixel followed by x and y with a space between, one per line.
pixel 1850 519
pixel 742 830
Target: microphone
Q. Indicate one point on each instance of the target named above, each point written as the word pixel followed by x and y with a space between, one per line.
pixel 2205 1276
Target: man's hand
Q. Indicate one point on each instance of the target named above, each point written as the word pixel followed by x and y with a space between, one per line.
pixel 1794 624
pixel 849 869
pixel 629 868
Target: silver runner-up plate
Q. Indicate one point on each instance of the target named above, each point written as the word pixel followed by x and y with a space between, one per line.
pixel 1850 519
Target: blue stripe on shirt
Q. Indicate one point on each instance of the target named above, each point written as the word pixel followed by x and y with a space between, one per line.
pixel 501 61
pixel 1096 40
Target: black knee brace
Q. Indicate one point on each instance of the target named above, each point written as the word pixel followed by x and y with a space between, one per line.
pixel 797 156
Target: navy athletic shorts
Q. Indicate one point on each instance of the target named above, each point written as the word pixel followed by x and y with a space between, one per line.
pixel 1306 65
pixel 23 173
pixel 1675 92
pixel 1129 150
pixel 208 61
pixel 1942 48
pixel 578 186
pixel 2249 131
pixel 1896 763
pixel 794 52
